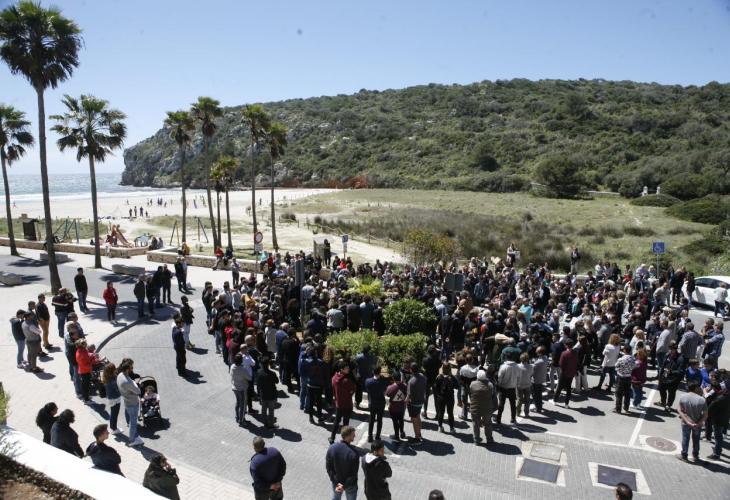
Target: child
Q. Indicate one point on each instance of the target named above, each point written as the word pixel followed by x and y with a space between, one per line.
pixel 150 402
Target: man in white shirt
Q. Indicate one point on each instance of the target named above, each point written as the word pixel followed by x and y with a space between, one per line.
pixel 721 299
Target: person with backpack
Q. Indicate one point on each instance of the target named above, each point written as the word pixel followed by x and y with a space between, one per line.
pixel 396 394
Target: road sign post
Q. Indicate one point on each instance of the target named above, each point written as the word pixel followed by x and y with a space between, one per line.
pixel 345 239
pixel 258 239
pixel 658 248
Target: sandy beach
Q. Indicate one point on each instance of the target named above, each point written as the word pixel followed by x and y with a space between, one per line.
pixel 114 208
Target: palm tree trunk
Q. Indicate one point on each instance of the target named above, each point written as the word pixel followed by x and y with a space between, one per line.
pixel 273 211
pixel 95 212
pixel 218 196
pixel 11 233
pixel 228 221
pixel 184 201
pixel 253 188
pixel 50 250
pixel 216 238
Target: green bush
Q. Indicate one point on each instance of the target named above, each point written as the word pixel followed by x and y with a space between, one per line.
pixel 391 349
pixel 365 286
pixel 655 200
pixel 639 231
pixel 712 209
pixel 407 316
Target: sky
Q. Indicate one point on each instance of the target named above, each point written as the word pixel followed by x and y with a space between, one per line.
pixel 147 57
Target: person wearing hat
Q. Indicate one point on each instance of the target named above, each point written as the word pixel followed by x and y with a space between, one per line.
pixel 32 333
pixel 186 312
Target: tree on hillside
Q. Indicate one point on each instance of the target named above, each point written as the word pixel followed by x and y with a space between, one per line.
pixel 258 122
pixel 43 46
pixel 14 138
pixel 205 111
pixel 94 129
pixel 223 173
pixel 276 142
pixel 483 157
pixel 181 124
pixel 561 176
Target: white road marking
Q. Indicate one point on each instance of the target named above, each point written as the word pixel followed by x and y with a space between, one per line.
pixel 640 421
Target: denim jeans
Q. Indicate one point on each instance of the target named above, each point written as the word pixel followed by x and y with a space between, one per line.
pixel 637 394
pixel 61 316
pixel 719 433
pixel 695 434
pixel 77 380
pixel 240 404
pixel 82 300
pixel 140 307
pixel 114 415
pixel 611 371
pixel 303 393
pixel 21 350
pixel 660 358
pixel 350 493
pixel 131 413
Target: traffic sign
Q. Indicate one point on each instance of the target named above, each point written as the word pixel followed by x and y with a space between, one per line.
pixel 344 247
pixel 258 248
pixel 258 237
pixel 345 239
pixel 658 247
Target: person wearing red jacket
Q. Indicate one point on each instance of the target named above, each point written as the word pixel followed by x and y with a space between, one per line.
pixel 568 368
pixel 343 389
pixel 84 362
pixel 111 298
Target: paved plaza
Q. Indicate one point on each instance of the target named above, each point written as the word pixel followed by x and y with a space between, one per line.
pixel 574 449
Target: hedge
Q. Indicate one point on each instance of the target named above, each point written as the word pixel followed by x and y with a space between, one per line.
pixel 407 316
pixel 655 200
pixel 392 350
pixel 711 209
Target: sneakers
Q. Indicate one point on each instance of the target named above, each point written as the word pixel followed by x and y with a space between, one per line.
pixel 713 457
pixel 683 458
pixel 137 442
pixel 114 432
pixel 21 366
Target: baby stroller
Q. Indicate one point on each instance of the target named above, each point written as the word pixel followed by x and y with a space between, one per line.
pixel 149 409
pixel 96 370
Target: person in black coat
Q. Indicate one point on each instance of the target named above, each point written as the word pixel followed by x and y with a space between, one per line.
pixel 157 283
pixel 151 292
pixel 180 276
pixel 64 437
pixel 266 381
pixel 103 456
pixel 342 462
pixel 377 471
pixel 161 478
pixel 45 419
pixel 166 284
pixel 139 294
pixel 178 342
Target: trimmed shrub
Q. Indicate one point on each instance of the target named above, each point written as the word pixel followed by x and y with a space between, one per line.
pixel 407 316
pixel 289 216
pixel 712 209
pixel 655 200
pixel 391 349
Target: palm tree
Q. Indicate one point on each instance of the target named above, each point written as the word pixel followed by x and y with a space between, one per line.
pixel 276 141
pixel 43 46
pixel 94 130
pixel 181 124
pixel 204 111
pixel 223 172
pixel 14 138
pixel 258 122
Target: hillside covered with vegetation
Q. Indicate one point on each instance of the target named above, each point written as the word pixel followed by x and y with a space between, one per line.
pixel 488 136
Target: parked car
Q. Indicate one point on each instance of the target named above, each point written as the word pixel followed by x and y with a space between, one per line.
pixel 704 293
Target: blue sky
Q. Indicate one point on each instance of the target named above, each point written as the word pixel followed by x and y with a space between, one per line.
pixel 150 56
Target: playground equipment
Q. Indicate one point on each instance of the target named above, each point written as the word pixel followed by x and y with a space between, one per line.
pixel 117 233
pixel 68 225
pixel 176 232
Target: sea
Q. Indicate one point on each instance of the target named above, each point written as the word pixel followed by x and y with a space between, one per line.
pixel 27 188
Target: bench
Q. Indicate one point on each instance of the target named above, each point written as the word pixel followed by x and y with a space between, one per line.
pixel 128 270
pixel 10 279
pixel 60 257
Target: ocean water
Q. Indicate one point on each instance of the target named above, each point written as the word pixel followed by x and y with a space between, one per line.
pixel 27 188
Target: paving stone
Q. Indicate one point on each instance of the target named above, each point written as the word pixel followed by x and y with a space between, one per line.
pixel 611 476
pixel 546 452
pixel 543 471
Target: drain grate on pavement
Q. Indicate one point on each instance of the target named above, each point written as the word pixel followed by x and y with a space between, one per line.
pixel 661 444
pixel 610 476
pixel 546 452
pixel 541 471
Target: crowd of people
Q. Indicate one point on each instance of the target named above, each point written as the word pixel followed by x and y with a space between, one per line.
pixel 508 337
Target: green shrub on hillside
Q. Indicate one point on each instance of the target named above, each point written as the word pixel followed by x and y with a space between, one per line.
pixel 655 200
pixel 407 316
pixel 711 209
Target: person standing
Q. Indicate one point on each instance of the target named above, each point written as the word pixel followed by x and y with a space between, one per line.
pixel 365 362
pixel 64 437
pixel 114 398
pixel 568 369
pixel 45 419
pixel 507 389
pixel 240 378
pixel 268 469
pixel 32 334
pixel 161 478
pixel 342 461
pixel 82 288
pixel 180 275
pixel 343 390
pixel 431 367
pixel 638 378
pixel 186 312
pixel 721 300
pixel 624 367
pixel 60 307
pixel 102 455
pixel 718 417
pixel 110 298
pixel 130 393
pixel 482 406
pixel 467 374
pixel 693 413
pixel 316 375
pixel 178 343
pixel 377 470
pixel 139 294
pixel 157 285
pixel 150 292
pixel 539 377
pixel 16 327
pixel 266 381
pixel 83 362
pixel 44 319
pixel 443 396
pixel 235 272
pixel 415 398
pixel 166 284
pixel 375 387
pixel 396 393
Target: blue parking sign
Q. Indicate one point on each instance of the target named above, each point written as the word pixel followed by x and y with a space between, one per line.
pixel 657 247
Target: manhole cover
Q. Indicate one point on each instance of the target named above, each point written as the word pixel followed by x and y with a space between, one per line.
pixel 539 470
pixel 661 444
pixel 546 452
pixel 611 476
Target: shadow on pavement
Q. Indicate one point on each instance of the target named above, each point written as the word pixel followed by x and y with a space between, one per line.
pixel 558 416
pixel 24 262
pixel 590 411
pixel 194 377
pixel 503 448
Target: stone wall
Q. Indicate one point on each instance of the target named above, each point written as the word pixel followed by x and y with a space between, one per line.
pixel 120 252
pixel 169 256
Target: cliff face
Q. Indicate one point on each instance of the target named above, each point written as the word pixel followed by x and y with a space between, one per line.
pixel 483 136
